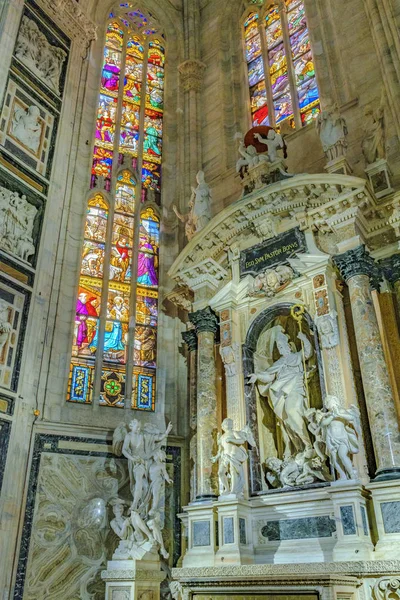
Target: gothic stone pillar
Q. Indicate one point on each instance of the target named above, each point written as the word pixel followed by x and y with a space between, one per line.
pixel 190 339
pixel 357 267
pixel 206 324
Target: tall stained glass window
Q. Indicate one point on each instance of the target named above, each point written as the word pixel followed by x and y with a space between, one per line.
pixel 280 66
pixel 114 352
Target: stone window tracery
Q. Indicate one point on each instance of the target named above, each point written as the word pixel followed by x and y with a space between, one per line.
pixel 114 347
pixel 280 66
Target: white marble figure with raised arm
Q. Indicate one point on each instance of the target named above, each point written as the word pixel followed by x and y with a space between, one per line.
pixel 231 457
pixel 147 475
pixel 273 141
pixel 284 385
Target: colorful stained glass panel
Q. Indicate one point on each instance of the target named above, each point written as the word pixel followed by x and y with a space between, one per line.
pixel 80 382
pixel 145 346
pixel 255 71
pixel 92 259
pixel 146 308
pixel 111 71
pixel 112 389
pixel 114 36
pixel 144 389
pixel 151 175
pixel 296 17
pixel 102 162
pixel 304 68
pixel 105 124
pixel 283 107
pixel 253 48
pixel 251 26
pixel 273 29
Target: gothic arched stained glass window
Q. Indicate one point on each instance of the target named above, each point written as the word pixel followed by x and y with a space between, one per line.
pixel 280 66
pixel 115 330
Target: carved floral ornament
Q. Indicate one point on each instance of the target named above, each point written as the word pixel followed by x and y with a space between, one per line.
pixel 324 202
pixel 71 18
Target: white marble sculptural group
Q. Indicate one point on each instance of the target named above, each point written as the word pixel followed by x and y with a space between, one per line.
pixel 250 157
pixel 138 523
pixel 199 208
pixel 36 53
pixel 309 436
pixel 231 457
pixel 17 218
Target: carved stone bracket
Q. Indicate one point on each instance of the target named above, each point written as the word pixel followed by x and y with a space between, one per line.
pixel 207 272
pixel 391 268
pixel 204 320
pixel 192 72
pixel 190 339
pixel 68 14
pixel 358 262
pixel 387 588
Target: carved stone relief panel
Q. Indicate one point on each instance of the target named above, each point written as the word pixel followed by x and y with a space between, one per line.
pixel 13 308
pixel 21 213
pixel 26 128
pixel 41 52
pixel 42 58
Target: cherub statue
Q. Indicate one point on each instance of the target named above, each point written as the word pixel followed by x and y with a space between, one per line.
pixel 231 457
pixel 274 142
pixel 339 429
pixel 249 157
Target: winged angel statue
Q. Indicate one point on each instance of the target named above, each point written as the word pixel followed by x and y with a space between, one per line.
pixel 141 529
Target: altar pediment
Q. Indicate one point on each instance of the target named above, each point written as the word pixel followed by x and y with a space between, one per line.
pixel 306 201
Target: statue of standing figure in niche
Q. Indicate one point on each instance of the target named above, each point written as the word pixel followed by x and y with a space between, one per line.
pixel 283 384
pixel 338 430
pixel 199 208
pixel 373 141
pixel 201 199
pixel 140 530
pixel 332 130
pixel 231 457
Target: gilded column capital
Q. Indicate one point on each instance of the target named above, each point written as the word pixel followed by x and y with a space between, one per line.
pixel 204 320
pixel 192 72
pixel 358 262
pixel 190 339
pixel 391 268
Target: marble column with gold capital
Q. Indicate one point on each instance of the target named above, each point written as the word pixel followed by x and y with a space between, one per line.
pixel 206 324
pixel 360 273
pixel 190 339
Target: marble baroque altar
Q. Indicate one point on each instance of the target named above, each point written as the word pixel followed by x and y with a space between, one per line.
pixel 284 488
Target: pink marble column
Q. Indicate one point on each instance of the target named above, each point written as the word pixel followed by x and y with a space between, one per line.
pixel 206 324
pixel 358 268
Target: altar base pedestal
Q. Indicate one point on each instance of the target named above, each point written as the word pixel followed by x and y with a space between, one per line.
pixel 129 579
pixel 352 525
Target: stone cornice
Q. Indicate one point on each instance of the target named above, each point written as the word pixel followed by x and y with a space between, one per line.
pixel 300 200
pixel 354 568
pixel 133 575
pixel 70 17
